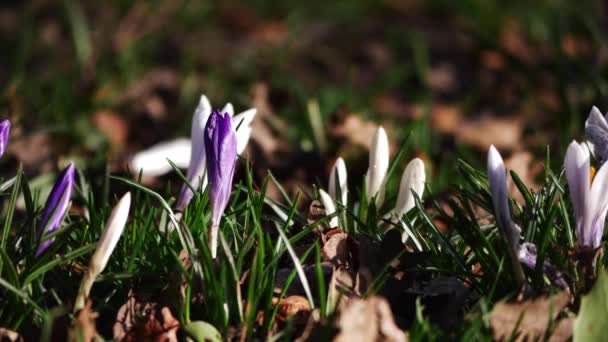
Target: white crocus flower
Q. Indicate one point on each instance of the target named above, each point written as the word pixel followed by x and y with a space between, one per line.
pixel 152 162
pixel 196 169
pixel 412 180
pixel 378 167
pixel 339 171
pixel 589 199
pixel 113 230
pixel 330 208
pixel 190 153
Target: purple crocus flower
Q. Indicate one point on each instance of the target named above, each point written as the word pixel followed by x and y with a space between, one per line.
pixel 524 253
pixel 5 128
pixel 221 152
pixel 56 206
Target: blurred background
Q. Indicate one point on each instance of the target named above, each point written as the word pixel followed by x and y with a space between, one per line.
pixel 98 81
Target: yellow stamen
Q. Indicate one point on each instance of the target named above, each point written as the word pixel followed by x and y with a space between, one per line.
pixel 592 174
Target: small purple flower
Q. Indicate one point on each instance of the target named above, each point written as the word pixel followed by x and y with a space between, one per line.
pixel 5 128
pixel 221 151
pixel 56 206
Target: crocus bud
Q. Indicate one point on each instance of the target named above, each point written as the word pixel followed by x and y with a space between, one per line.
pixel 220 148
pixel 56 207
pixel 330 208
pixel 590 200
pixel 497 179
pixel 339 172
pixel 412 180
pixel 114 227
pixel 196 170
pixel 378 166
pixel 5 128
pixel 153 161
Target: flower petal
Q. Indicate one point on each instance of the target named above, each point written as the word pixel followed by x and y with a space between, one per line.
pixel 412 180
pixel 596 129
pixel 228 109
pixel 577 172
pixel 378 166
pixel 114 227
pixel 339 171
pixel 5 128
pixel 330 208
pixel 56 206
pixel 242 124
pixel 153 162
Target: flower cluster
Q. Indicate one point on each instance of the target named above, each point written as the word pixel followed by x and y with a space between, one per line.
pixel 589 197
pixel 412 182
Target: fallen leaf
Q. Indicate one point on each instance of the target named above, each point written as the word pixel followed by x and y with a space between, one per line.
pixel 534 314
pixel 112 125
pixel 297 307
pixel 139 320
pixel 33 151
pixel 504 133
pixel 442 78
pixel 521 162
pixel 84 328
pixel 355 129
pixel 336 250
pixel 368 319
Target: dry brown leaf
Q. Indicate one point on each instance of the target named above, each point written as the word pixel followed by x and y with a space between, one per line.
pixel 442 78
pixel 504 133
pixel 112 125
pixel 261 132
pixel 139 320
pixel 445 118
pixel 390 105
pixel 335 250
pixel 84 328
pixel 563 330
pixel 356 130
pixel 33 151
pixel 521 163
pixel 297 306
pixel 271 32
pixel 536 314
pixel 10 336
pixel 368 319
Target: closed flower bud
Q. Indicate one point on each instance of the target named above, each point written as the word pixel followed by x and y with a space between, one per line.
pixel 113 230
pixel 378 166
pixel 5 128
pixel 220 148
pixel 338 174
pixel 56 207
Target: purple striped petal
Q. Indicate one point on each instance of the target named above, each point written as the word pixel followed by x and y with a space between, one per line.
pixel 5 128
pixel 56 207
pixel 220 148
